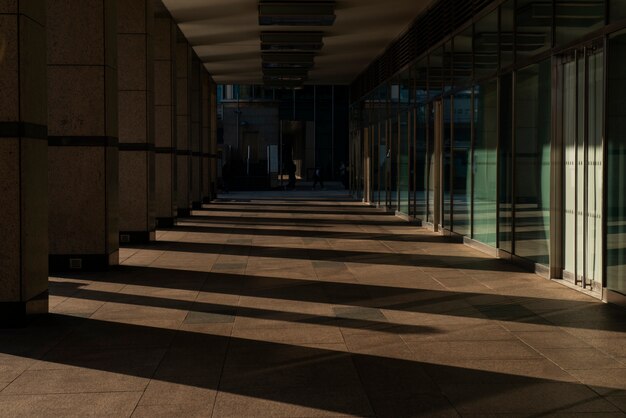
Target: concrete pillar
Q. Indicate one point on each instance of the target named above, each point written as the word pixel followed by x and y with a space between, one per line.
pixel 135 52
pixel 83 134
pixel 23 161
pixel 165 115
pixel 213 138
pixel 196 133
pixel 183 125
pixel 206 134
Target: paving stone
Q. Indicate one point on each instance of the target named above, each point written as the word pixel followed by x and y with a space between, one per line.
pixel 301 304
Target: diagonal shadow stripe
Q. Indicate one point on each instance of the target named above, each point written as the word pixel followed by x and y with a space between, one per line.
pixel 303 233
pixel 296 378
pixel 571 313
pixel 345 256
pixel 77 290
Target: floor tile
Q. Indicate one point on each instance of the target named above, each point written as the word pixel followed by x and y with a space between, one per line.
pixel 303 305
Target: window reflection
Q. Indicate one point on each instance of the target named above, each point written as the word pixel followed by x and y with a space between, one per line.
pixel 576 18
pixel 462 176
pixel 533 22
pixel 485 162
pixel 532 162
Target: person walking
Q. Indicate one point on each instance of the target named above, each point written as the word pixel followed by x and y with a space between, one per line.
pixel 292 175
pixel 343 175
pixel 317 177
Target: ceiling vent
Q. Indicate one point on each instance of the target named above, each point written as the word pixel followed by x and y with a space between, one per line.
pixel 296 13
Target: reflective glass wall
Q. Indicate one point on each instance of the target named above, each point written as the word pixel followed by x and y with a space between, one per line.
pixel 616 170
pixel 511 131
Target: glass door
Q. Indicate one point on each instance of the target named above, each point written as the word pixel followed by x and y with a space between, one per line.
pixel 391 201
pixel 581 76
pixel 404 157
pixel 434 164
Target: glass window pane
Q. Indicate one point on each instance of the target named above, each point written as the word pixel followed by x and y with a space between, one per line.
pixel 431 163
pixel 594 166
pixel 392 162
pixel 376 163
pixel 576 18
pixel 448 77
pixel 533 19
pixel 435 73
pixel 446 220
pixel 616 186
pixel 404 141
pixel 505 239
pixel 245 92
pixel 617 10
pixel 486 45
pixel 382 167
pixel 485 162
pixel 421 167
pixel 507 23
pixel 461 145
pixel 532 162
pixel 463 60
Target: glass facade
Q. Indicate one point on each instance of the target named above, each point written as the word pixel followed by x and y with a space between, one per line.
pixel 485 163
pixel 503 133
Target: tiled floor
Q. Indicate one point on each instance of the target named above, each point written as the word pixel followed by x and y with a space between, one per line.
pixel 303 305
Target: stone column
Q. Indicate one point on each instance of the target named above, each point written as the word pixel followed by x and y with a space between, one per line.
pixel 196 133
pixel 183 125
pixel 82 129
pixel 165 115
pixel 213 139
pixel 23 161
pixel 135 52
pixel 206 133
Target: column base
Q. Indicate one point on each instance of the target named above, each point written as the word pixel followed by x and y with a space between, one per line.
pixel 184 213
pixel 206 200
pixel 59 263
pixel 137 237
pixel 166 222
pixel 16 314
pixel 196 205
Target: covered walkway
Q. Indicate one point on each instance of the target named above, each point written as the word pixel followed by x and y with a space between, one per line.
pixel 307 304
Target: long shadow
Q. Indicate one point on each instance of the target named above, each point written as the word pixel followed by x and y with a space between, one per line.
pixel 77 290
pixel 290 221
pixel 299 211
pixel 513 309
pixel 303 233
pixel 240 203
pixel 345 256
pixel 289 374
pixel 309 200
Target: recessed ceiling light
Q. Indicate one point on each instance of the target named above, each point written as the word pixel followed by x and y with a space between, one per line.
pixel 296 13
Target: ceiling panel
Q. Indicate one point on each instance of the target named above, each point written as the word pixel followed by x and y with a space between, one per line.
pixel 226 36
